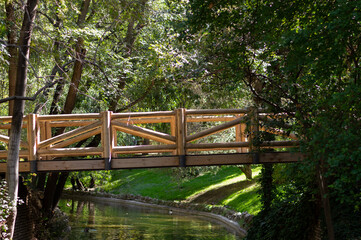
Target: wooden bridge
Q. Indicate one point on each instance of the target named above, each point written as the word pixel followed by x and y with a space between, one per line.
pixel 129 140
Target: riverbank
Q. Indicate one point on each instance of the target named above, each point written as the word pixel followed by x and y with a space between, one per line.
pixel 221 186
pixel 236 221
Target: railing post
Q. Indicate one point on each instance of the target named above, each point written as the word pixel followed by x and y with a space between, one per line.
pixel 173 128
pixel 181 136
pixel 33 140
pixel 240 135
pixel 106 137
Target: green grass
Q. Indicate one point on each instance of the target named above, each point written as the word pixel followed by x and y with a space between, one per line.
pixel 245 200
pixel 161 184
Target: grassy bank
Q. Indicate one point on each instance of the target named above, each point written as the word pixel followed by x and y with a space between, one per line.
pixel 225 185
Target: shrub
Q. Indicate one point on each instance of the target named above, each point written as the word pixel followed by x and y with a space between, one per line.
pixel 4 209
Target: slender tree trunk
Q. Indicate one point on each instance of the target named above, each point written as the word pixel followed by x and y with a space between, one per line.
pixel 51 197
pixel 75 80
pixel 322 183
pixel 56 181
pixel 12 173
pixel 12 49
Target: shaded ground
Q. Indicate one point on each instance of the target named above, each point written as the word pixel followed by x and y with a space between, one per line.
pixel 215 196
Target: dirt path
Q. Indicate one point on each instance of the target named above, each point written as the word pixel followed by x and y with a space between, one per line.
pixel 215 196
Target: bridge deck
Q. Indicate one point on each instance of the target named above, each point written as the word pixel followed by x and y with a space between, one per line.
pixel 143 139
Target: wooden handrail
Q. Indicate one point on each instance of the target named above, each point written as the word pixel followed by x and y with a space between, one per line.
pixel 41 145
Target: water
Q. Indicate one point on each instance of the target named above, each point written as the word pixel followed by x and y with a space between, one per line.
pixel 111 221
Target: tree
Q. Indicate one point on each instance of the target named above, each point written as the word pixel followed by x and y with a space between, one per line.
pixel 12 172
pixel 302 59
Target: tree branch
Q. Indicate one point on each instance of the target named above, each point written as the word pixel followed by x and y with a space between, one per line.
pixel 49 85
pixel 138 100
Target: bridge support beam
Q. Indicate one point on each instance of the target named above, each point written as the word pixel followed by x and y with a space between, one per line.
pixel 107 139
pixel 182 160
pixel 33 138
pixel 181 136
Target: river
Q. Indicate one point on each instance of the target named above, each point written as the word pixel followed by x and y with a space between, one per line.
pixel 111 221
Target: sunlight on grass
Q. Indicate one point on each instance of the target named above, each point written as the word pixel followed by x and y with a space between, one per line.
pixel 235 178
pixel 245 200
pixel 161 184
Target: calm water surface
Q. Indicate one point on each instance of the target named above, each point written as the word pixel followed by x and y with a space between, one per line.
pixel 111 221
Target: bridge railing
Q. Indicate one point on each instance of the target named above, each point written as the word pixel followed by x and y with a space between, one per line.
pixel 49 137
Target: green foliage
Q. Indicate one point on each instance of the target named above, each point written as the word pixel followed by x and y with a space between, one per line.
pixel 267 187
pixel 285 220
pixel 4 209
pixel 300 58
pixel 339 140
pixel 348 225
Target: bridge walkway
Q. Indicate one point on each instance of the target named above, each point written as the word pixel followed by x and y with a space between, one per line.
pixel 183 137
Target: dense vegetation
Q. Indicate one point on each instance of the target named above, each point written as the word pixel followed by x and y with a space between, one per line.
pixel 298 58
pixel 302 58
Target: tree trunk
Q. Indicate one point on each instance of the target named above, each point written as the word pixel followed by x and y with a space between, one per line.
pixel 322 183
pixel 13 52
pixel 12 172
pixel 56 181
pixel 75 80
pixel 247 170
pixel 51 197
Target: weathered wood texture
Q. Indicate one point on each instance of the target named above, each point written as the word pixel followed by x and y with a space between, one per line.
pixel 181 137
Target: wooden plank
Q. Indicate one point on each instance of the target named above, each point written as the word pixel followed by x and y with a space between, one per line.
pixel 47 134
pixel 22 154
pixel 243 158
pixel 181 131
pixel 65 117
pixel 6 118
pixel 244 137
pixel 215 146
pixel 2 167
pixel 69 134
pixel 239 134
pixel 144 133
pixel 32 136
pixel 215 111
pixel 70 165
pixel 77 138
pixel 173 130
pixel 144 120
pixel 145 162
pixel 214 130
pixel 210 119
pixel 219 159
pixel 70 123
pixel 115 141
pixel 69 152
pixel 143 114
pixel 5 139
pixel 23 167
pixel 235 145
pixel 106 135
pixel 8 126
pixel 144 149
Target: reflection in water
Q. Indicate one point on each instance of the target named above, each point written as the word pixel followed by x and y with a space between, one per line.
pixel 92 220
